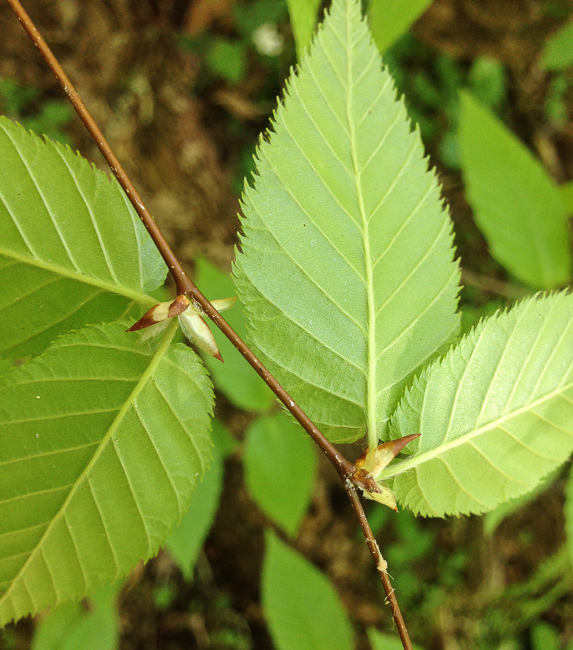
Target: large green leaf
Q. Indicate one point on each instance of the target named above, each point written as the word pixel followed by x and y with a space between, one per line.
pixel 346 268
pixel 496 414
pixel 102 441
pixel 390 19
pixel 72 249
pixel 300 605
pixel 517 205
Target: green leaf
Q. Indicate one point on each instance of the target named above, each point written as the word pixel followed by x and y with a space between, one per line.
pixel 72 249
pixel 380 641
pixel 487 80
pixel 102 442
pixel 300 605
pixel 70 626
pixel 228 59
pixel 569 516
pixel 517 205
pixel 496 414
pixel 545 637
pixel 235 379
pixel 303 14
pixel 390 19
pixel 346 269
pixel 558 51
pixel 280 469
pixel 188 537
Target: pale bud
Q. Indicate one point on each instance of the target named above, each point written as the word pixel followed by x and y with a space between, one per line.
pixel 190 316
pixel 375 461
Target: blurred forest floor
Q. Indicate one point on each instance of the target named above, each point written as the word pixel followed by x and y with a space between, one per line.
pixel 182 90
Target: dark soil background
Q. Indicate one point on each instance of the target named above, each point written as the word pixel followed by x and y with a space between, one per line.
pixel 185 136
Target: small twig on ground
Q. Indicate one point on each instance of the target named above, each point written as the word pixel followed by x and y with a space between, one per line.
pixel 345 469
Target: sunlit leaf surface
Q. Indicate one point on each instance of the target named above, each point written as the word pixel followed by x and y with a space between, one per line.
pixel 496 414
pixel 72 249
pixel 102 441
pixel 346 268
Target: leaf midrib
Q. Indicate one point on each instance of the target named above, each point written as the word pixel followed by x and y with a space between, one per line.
pixel 154 362
pixel 372 429
pixel 420 459
pixel 141 298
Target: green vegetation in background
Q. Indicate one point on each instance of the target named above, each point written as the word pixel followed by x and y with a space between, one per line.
pixel 72 626
pixel 390 19
pixel 187 539
pixel 258 27
pixel 303 17
pixel 300 605
pixel 557 58
pixel 21 103
pixel 380 641
pixel 431 83
pixel 517 205
pixel 280 469
pixel 558 51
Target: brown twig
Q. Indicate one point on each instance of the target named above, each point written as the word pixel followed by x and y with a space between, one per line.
pixel 381 565
pixel 185 286
pixel 493 285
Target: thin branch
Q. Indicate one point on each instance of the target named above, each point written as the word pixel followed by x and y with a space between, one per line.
pixel 381 565
pixel 492 285
pixel 345 469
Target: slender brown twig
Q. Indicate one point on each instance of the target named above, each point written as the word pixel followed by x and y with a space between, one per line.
pixel 381 565
pixel 185 286
pixel 493 285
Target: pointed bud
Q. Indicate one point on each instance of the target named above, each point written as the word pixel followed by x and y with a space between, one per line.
pixel 371 464
pixel 160 313
pixel 198 332
pixel 386 497
pixel 376 461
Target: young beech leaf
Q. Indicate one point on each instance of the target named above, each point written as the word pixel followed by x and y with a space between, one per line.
pixel 495 414
pixel 517 205
pixel 280 469
pixel 346 270
pixel 72 249
pixel 300 605
pixel 102 441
